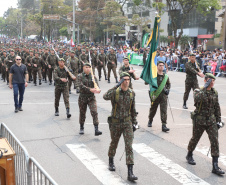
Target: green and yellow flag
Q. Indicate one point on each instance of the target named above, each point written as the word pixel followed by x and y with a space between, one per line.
pixel 149 73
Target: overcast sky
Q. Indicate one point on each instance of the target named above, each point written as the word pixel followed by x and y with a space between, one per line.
pixel 5 4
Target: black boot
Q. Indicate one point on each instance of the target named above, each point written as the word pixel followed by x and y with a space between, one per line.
pixel 97 132
pixel 16 109
pixel 190 159
pixel 74 86
pixel 77 91
pixel 50 82
pixel 45 80
pixel 40 82
pixel 164 128
pixel 108 80
pixel 111 166
pixel 68 112
pixel 149 123
pixel 106 77
pixel 131 176
pixel 216 169
pixel 116 80
pixel 56 111
pixel 69 91
pixel 35 83
pixel 99 78
pixel 81 129
pixel 185 106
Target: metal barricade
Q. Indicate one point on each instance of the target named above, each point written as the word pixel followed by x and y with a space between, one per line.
pixel 27 170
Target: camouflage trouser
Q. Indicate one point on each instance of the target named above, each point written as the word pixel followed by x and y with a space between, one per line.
pixel 113 68
pixel 212 132
pixel 65 92
pixel 93 67
pixel 50 73
pixel 99 70
pixel 3 72
pixel 162 100
pixel 29 69
pixel 83 101
pixel 73 81
pixel 116 130
pixel 44 72
pixel 188 85
pixel 35 71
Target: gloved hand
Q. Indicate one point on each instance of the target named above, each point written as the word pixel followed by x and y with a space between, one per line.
pixel 220 124
pixel 120 82
pixel 166 91
pixel 207 83
pixel 134 128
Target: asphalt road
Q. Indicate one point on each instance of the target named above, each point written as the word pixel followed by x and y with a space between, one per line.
pixel 74 159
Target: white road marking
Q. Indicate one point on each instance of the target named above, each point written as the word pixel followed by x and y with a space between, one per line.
pixel 204 150
pixel 95 165
pixel 174 170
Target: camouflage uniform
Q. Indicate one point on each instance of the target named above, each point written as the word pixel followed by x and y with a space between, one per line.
pixel 93 61
pixel 61 87
pixel 122 121
pixel 38 61
pixel 45 66
pixel 101 63
pixel 162 100
pixel 112 58
pixel 191 79
pixel 3 70
pixel 206 119
pixel 126 69
pixel 83 58
pixel 74 65
pixel 29 66
pixel 9 61
pixel 87 98
pixel 78 53
pixel 51 60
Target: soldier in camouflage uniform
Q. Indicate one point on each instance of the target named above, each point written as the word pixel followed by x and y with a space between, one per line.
pixel 45 65
pixel 87 97
pixel 61 54
pixel 29 65
pixel 192 70
pixel 205 118
pixel 122 121
pixel 78 51
pixel 25 54
pixel 161 98
pixel 61 77
pixel 94 60
pixel 4 56
pixel 37 65
pixel 66 56
pixel 9 61
pixel 101 63
pixel 52 62
pixel 112 65
pixel 128 69
pixel 74 65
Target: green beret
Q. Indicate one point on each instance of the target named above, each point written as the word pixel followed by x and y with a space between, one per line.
pixel 192 54
pixel 210 75
pixel 61 59
pixel 123 74
pixel 125 58
pixel 87 64
pixel 160 62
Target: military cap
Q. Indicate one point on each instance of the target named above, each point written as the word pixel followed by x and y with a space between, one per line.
pixel 79 44
pixel 83 50
pixel 37 52
pixel 160 62
pixel 12 50
pixel 125 58
pixel 87 47
pixel 87 64
pixel 31 51
pixel 192 54
pixel 123 74
pixel 61 59
pixel 210 75
pixel 72 51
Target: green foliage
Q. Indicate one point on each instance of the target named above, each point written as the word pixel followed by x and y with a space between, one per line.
pixel 163 39
pixel 63 31
pixel 137 2
pixel 159 6
pixel 184 41
pixel 206 6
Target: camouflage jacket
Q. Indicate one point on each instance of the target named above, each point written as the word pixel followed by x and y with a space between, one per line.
pixel 125 106
pixel 28 61
pixel 83 58
pixel 52 60
pixel 61 55
pixel 191 71
pixel 159 81
pixel 112 58
pixel 58 74
pixel 85 83
pixel 207 106
pixel 3 60
pixel 9 61
pixel 74 65
pixel 25 55
pixel 44 58
pixel 93 59
pixel 126 69
pixel 78 53
pixel 37 61
pixel 101 58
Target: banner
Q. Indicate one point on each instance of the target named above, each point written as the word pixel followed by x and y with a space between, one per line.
pixel 145 38
pixel 136 59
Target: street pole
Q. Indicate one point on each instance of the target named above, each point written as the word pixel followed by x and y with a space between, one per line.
pixel 224 32
pixel 78 34
pixel 73 34
pixel 21 27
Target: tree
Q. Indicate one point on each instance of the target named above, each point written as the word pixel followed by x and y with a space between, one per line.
pixel 163 39
pixel 179 10
pixel 63 31
pixel 184 41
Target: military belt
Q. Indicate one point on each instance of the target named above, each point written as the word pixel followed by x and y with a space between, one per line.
pixel 86 95
pixel 199 117
pixel 115 120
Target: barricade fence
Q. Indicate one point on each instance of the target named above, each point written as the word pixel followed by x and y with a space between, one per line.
pixel 27 170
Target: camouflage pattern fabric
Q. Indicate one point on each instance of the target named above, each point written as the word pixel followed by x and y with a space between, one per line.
pixel 74 65
pixel 126 69
pixel 38 69
pixel 112 58
pixel 101 64
pixel 45 66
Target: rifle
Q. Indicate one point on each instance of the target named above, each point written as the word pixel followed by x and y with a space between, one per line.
pixel 93 79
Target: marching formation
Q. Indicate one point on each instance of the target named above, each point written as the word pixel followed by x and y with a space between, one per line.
pixel 63 67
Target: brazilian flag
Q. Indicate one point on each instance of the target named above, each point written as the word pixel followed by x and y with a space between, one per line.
pixel 149 73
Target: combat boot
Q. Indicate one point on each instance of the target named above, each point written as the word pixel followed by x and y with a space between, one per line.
pixel 16 109
pixel 56 111
pixel 77 91
pixel 81 129
pixel 190 159
pixel 35 83
pixel 149 123
pixel 116 79
pixel 185 106
pixel 97 132
pixel 50 82
pixel 40 82
pixel 111 166
pixel 106 77
pixel 216 169
pixel 68 112
pixel 99 78
pixel 164 128
pixel 45 80
pixel 131 176
pixel 108 80
pixel 74 86
pixel 69 91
